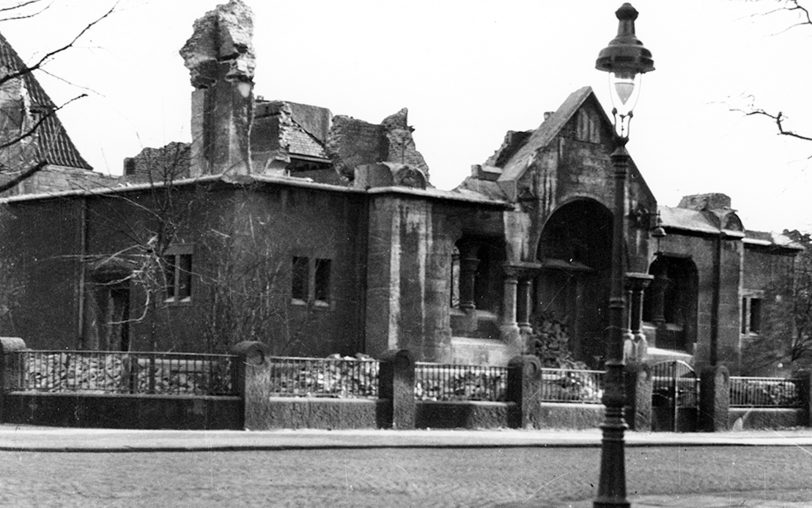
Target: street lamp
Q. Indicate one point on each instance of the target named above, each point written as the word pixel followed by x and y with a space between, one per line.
pixel 626 60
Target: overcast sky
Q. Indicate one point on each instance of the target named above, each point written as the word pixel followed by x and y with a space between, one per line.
pixel 468 71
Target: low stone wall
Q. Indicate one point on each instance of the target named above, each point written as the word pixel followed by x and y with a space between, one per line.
pixel 465 415
pixel 765 418
pixel 122 411
pixel 570 416
pixel 316 413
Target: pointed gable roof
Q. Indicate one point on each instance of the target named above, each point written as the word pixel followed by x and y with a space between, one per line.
pixel 541 137
pixel 52 142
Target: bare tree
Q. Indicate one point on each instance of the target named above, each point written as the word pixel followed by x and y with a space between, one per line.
pixel 779 118
pixel 21 153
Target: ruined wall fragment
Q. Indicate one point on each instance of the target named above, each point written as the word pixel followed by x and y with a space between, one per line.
pixel 220 59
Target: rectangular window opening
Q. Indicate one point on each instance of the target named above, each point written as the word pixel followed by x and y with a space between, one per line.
pixel 755 315
pixel 322 282
pixel 178 276
pixel 299 279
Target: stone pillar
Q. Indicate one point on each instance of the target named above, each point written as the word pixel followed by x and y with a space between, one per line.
pixel 636 284
pixel 247 379
pixel 220 59
pixel 468 265
pixel 804 378
pixel 523 306
pixel 396 383
pixel 509 328
pixel 714 399
pixel 658 287
pixel 524 388
pixel 469 262
pixel 629 352
pixel 10 369
pixel 638 396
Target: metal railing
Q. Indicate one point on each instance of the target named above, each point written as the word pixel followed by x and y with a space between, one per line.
pixel 58 371
pixel 572 385
pixel 764 392
pixel 447 382
pixel 323 377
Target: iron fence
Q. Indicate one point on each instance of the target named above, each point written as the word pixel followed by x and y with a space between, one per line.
pixel 323 377
pixel 764 392
pixel 447 382
pixel 56 371
pixel 572 385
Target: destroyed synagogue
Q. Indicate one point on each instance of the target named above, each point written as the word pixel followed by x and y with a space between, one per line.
pixel 317 233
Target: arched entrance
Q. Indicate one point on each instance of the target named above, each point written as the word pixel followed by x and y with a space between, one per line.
pixel 670 303
pixel 575 251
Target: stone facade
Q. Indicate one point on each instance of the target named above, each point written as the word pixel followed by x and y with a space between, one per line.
pixel 320 234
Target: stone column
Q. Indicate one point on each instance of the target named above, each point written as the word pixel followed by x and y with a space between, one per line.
pixel 714 399
pixel 468 265
pixel 523 306
pixel 636 284
pixel 523 388
pixel 509 328
pixel 396 383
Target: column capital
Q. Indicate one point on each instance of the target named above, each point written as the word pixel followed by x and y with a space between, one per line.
pixel 637 281
pixel 521 269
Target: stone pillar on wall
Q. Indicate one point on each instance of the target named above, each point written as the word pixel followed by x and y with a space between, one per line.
pixel 636 284
pixel 523 389
pixel 396 383
pixel 248 380
pixel 714 399
pixel 639 385
pixel 804 378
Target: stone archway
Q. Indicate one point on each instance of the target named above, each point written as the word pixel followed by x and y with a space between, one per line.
pixel 575 251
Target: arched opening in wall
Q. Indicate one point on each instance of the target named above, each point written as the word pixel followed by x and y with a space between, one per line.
pixel 575 251
pixel 670 303
pixel 476 281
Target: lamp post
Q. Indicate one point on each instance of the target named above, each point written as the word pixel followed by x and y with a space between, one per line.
pixel 626 60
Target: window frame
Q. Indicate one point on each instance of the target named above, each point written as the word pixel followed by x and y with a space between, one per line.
pixel 179 273
pixel 316 281
pixel 750 323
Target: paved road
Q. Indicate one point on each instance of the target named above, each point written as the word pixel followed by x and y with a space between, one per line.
pixel 393 477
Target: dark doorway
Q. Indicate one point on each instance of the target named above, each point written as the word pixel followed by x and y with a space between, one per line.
pixel 108 316
pixel 575 251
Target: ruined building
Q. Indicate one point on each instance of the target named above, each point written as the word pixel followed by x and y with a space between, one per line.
pixel 319 233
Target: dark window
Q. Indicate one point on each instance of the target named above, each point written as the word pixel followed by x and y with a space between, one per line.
pixel 300 278
pixel 178 273
pixel 751 315
pixel 755 315
pixel 129 166
pixel 322 282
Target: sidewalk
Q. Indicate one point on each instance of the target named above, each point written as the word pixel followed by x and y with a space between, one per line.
pixel 58 439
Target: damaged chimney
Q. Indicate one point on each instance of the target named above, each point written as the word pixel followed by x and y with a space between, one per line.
pixel 220 59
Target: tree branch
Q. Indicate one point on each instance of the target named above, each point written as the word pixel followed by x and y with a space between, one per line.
pixel 29 69
pixel 779 122
pixel 22 176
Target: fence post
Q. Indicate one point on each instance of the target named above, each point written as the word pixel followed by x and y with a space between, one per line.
pixel 804 378
pixel 714 399
pixel 248 353
pixel 638 396
pixel 396 383
pixel 9 368
pixel 524 388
